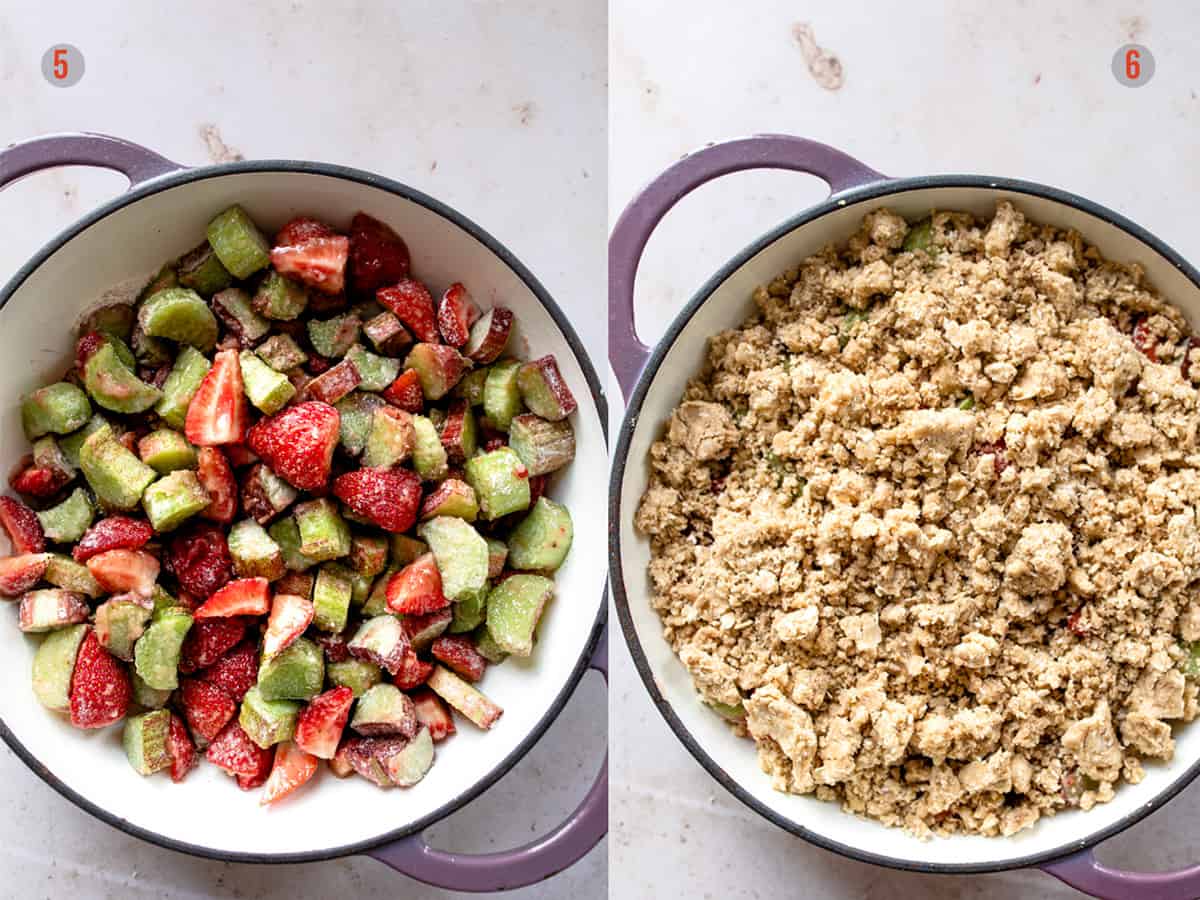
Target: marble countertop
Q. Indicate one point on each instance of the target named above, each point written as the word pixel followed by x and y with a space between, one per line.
pixel 497 109
pixel 1008 89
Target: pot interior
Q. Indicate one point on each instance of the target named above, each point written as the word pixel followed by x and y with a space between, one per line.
pixel 207 812
pixel 728 304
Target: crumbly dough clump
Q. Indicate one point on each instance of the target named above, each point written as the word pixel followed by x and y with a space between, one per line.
pixel 929 517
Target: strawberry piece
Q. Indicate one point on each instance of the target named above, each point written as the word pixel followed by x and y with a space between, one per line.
pixel 242 597
pixel 290 615
pixel 411 303
pixel 378 255
pixel 417 588
pixel 456 314
pixel 388 497
pixel 320 724
pixel 199 558
pixel 125 571
pixel 301 230
pixel 218 413
pixel 87 345
pixel 433 714
pixel 405 392
pixel 233 751
pixel 19 574
pixel 216 477
pixel 421 630
pixel 292 768
pixel 240 455
pixel 334 646
pixel 207 707
pixel 996 447
pixel 112 533
pixel 207 641
pixel 181 749
pixel 298 443
pixel 1076 627
pixel 100 689
pixel 318 262
pixel 22 525
pixel 412 671
pixel 458 652
pixel 1145 339
pixel 38 481
pixel 258 779
pixel 235 672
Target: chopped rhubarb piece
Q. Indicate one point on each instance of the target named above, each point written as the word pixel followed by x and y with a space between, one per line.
pixel 292 767
pixel 405 392
pixel 199 558
pixel 451 498
pixel 432 713
pixel 333 385
pixel 489 336
pixel 236 671
pixel 417 588
pixel 378 255
pixel 50 609
pixel 290 615
pixel 233 751
pixel 298 443
pixel 387 334
pixel 100 690
pixel 458 652
pixel 466 699
pixel 380 640
pixel 216 477
pixel 207 707
pixel 19 574
pixel 544 390
pixel 458 433
pixel 423 630
pixel 22 526
pixel 207 641
pixel 243 597
pixel 456 314
pixel 384 710
pixel 388 497
pixel 439 368
pixel 218 413
pixel 264 494
pixel 180 748
pixel 411 303
pixel 125 571
pixel 320 726
pixel 112 533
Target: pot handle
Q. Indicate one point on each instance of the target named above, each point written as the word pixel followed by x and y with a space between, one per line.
pixel 82 149
pixel 761 151
pixel 536 861
pixel 1084 872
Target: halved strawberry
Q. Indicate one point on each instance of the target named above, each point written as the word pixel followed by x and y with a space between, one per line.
pixel 207 641
pixel 320 724
pixel 456 314
pixel 411 303
pixel 412 672
pixel 207 707
pixel 181 749
pixel 378 255
pixel 41 482
pixel 458 652
pixel 319 262
pixel 422 630
pixel 216 476
pixel 125 571
pixel 19 574
pixel 405 392
pixel 433 714
pixel 293 767
pixel 298 443
pixel 100 689
pixel 236 672
pixel 290 615
pixel 388 497
pixel 198 557
pixel 218 413
pixel 243 597
pixel 233 751
pixel 112 533
pixel 22 525
pixel 300 230
pixel 417 588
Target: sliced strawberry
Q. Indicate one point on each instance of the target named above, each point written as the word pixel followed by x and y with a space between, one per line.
pixel 208 708
pixel 207 641
pixel 388 497
pixel 411 303
pixel 216 476
pixel 378 255
pixel 113 533
pixel 458 652
pixel 405 392
pixel 292 768
pixel 998 447
pixel 412 672
pixel 22 525
pixel 236 672
pixel 100 689
pixel 301 230
pixel 259 778
pixel 457 312
pixel 422 630
pixel 218 413
pixel 433 714
pixel 320 724
pixel 19 574
pixel 233 751
pixel 243 597
pixel 1145 339
pixel 318 262
pixel 198 557
pixel 181 749
pixel 41 482
pixel 417 588
pixel 298 443
pixel 125 571
pixel 290 615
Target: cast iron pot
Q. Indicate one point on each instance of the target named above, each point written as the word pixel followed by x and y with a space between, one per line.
pixel 124 242
pixel 653 379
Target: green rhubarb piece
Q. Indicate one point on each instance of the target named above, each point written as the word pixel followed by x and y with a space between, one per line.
pixel 286 533
pixel 429 456
pixel 267 389
pixel 405 549
pixel 145 741
pixel 119 624
pixel 71 444
pixel 501 395
pixel 281 353
pixel 497 556
pixel 146 696
pixel 461 554
pixel 368 554
pixel 391 437
pixel 147 350
pixel 543 446
pixel 357 410
pixel 469 611
pixel 381 710
pixel 50 609
pixel 47 454
pixel 262 486
pixel 280 298
pixel 377 372
pixel 117 477
pixel 166 277
pixel 501 482
pixel 177 391
pixel 726 710
pixel 360 586
pixel 850 321
pixel 298 584
pixel 255 554
pixel 124 353
pixel 375 603
pixel 53 665
pixel 66 522
pixel 165 602
pixel 55 409
pixel 356 674
pixel 333 337
pixel 268 722
pixel 294 673
pixel 180 315
pixel 919 237
pixel 114 386
pixel 542 539
pixel 487 646
pixel 165 450
pixel 324 534
pixel 235 308
pixel 331 598
pixel 64 572
pixel 412 762
pixel 112 318
pixel 156 653
pixel 238 243
pixel 451 498
pixel 513 609
pixel 201 270
pixel 471 387
pixel 173 499
pixel 385 332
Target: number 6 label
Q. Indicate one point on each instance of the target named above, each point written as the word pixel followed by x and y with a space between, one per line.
pixel 1133 65
pixel 62 65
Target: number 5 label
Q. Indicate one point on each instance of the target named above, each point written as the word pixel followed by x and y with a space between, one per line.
pixel 62 65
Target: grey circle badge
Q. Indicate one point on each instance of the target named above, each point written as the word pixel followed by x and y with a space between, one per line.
pixel 62 65
pixel 1133 65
